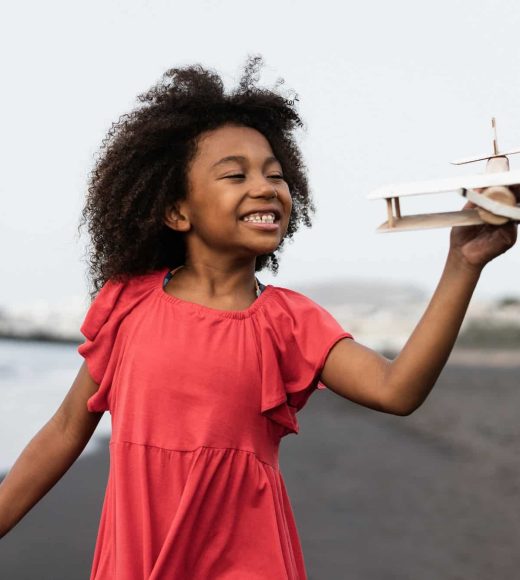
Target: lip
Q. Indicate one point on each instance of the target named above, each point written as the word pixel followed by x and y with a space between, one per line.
pixel 260 226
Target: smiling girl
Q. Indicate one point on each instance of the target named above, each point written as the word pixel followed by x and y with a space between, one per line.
pixel 202 367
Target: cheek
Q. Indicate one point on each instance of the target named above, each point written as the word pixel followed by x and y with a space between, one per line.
pixel 287 202
pixel 212 208
pixel 217 222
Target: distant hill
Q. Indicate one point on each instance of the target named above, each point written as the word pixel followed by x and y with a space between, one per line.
pixel 376 292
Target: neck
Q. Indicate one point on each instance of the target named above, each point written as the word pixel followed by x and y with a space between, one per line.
pixel 213 279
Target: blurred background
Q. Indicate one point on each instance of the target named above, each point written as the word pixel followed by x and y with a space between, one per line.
pixel 389 92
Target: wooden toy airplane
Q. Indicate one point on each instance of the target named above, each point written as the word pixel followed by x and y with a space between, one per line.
pixel 496 203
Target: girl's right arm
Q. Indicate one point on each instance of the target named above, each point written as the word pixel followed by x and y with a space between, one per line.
pixel 50 453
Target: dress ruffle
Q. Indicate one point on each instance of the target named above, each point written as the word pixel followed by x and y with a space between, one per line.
pixel 294 336
pixel 101 349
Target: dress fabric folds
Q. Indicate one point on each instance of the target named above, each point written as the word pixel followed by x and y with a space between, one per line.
pixel 199 400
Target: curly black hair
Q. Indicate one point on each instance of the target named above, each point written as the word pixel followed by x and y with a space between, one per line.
pixel 141 170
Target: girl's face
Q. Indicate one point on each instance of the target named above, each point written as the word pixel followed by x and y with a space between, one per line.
pixel 234 174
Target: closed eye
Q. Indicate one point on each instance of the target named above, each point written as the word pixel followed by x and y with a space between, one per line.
pixel 242 176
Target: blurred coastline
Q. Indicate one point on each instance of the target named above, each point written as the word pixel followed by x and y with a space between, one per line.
pixel 378 314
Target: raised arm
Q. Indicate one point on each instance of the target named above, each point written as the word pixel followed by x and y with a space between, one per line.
pixel 401 386
pixel 50 453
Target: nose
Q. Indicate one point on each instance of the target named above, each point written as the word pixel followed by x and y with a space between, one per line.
pixel 264 188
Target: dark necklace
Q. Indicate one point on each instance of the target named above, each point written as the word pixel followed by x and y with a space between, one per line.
pixel 258 285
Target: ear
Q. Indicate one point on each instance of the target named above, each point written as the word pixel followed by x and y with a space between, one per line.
pixel 176 218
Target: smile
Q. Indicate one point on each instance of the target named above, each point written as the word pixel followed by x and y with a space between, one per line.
pixel 266 221
pixel 264 218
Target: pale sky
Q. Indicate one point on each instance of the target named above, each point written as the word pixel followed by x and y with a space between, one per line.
pixel 390 92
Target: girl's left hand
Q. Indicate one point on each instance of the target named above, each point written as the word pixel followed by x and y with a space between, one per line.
pixel 478 245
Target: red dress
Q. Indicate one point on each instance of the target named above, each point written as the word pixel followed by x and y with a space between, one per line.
pixel 199 400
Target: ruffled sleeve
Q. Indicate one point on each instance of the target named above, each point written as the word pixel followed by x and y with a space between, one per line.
pixel 103 341
pixel 295 335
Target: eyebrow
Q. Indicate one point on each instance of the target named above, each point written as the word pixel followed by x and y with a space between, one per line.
pixel 241 158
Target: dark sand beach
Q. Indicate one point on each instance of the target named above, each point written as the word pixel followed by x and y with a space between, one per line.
pixel 432 496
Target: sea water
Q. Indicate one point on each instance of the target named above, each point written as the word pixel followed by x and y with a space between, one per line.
pixel 34 379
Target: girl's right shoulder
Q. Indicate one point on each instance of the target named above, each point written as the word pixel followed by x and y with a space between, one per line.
pixel 115 299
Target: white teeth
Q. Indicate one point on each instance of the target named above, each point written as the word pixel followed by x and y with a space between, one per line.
pixel 260 218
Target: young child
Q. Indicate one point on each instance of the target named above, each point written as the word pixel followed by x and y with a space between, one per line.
pixel 203 368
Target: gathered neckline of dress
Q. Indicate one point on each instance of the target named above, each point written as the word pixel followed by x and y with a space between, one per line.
pixel 201 308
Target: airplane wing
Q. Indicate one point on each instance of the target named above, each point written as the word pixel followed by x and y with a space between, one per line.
pixel 466 217
pixel 450 184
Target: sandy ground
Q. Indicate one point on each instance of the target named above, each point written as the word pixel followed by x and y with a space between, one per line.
pixel 432 496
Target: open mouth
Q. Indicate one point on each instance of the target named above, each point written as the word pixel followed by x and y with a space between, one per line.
pixel 261 218
pixel 264 220
pixel 265 215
